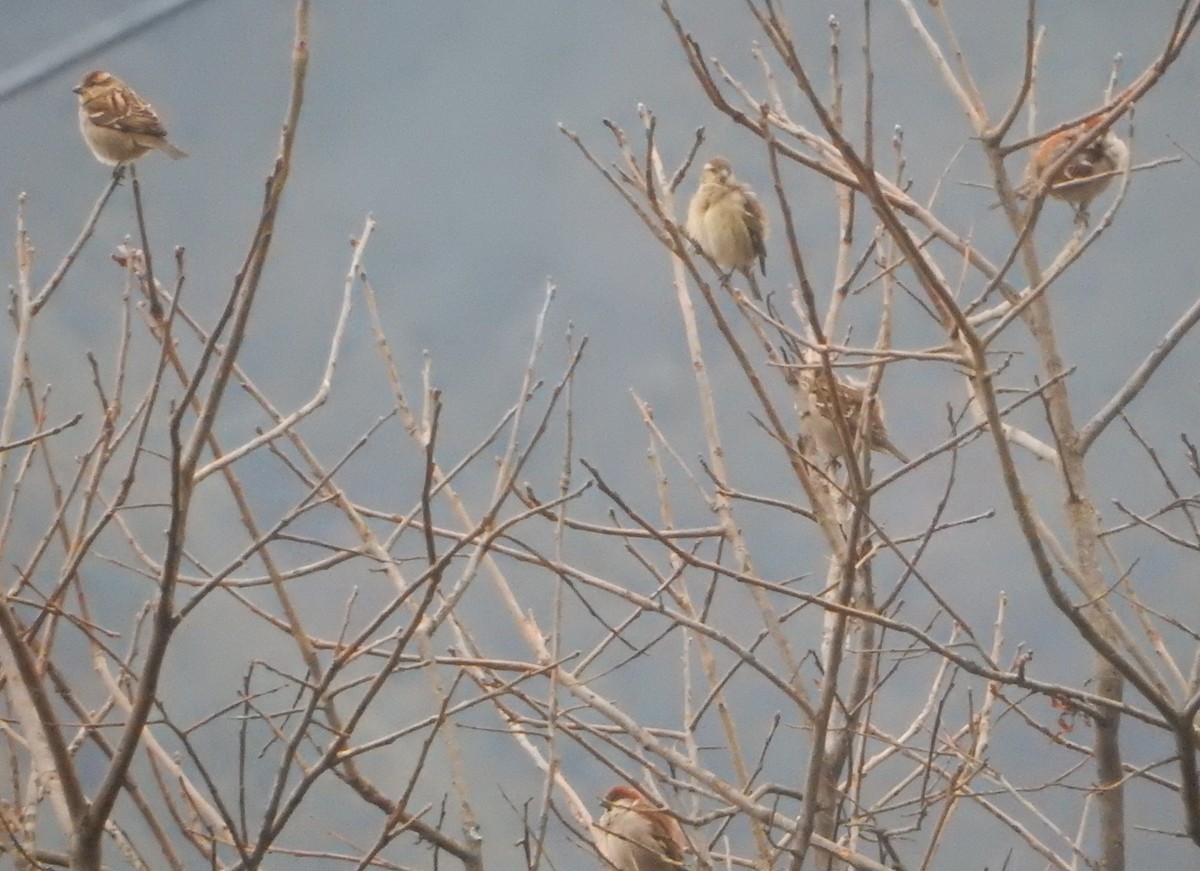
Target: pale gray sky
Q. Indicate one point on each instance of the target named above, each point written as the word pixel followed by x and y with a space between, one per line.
pixel 440 119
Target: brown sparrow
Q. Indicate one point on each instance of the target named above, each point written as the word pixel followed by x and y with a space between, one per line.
pixel 727 221
pixel 634 835
pixel 819 416
pixel 1089 171
pixel 117 124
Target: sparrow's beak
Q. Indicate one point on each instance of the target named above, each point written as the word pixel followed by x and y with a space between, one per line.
pixel 78 90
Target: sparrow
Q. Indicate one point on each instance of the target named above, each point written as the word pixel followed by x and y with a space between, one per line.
pixel 819 418
pixel 1089 171
pixel 117 124
pixel 634 835
pixel 727 221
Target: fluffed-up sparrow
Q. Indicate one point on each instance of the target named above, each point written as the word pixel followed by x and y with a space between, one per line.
pixel 819 416
pixel 1086 174
pixel 634 835
pixel 727 221
pixel 117 124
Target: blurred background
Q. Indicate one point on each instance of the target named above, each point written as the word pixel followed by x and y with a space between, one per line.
pixel 441 120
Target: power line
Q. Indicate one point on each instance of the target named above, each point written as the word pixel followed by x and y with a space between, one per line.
pixel 88 42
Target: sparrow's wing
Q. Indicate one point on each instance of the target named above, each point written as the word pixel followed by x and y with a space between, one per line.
pixel 756 225
pixel 121 110
pixel 671 842
pixel 850 398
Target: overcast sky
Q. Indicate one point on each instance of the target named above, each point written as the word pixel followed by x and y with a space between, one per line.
pixel 441 119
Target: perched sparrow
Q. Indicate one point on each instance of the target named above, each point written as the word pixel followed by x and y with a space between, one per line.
pixel 1086 174
pixel 634 835
pixel 727 220
pixel 117 124
pixel 818 416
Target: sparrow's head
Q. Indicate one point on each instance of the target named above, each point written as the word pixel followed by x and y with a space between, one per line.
pixel 1053 147
pixel 716 170
pixel 1089 171
pixel 96 84
pixel 622 795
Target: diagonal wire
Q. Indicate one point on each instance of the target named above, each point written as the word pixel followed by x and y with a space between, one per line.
pixel 108 32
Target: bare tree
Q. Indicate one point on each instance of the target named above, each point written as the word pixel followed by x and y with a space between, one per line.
pixel 848 800
pixel 215 627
